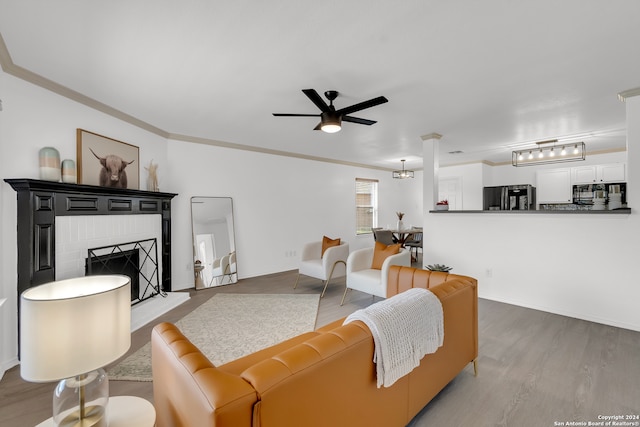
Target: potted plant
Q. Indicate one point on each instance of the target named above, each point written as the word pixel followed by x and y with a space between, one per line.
pixel 439 267
pixel 400 223
pixel 442 205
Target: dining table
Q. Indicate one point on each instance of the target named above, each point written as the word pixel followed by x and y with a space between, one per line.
pixel 402 235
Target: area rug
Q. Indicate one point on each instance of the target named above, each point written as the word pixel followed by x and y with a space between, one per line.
pixel 229 326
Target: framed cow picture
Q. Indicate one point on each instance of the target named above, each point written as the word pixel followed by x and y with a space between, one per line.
pixel 107 162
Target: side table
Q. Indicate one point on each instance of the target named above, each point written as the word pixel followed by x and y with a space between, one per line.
pixel 199 280
pixel 124 411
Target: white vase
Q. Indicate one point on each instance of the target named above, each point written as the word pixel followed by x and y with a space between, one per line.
pixel 69 171
pixel 49 164
pixel 400 225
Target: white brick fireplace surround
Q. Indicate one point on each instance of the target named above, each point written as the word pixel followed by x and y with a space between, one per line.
pixel 76 234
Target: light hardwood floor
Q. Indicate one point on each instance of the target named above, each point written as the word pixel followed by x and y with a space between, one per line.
pixel 535 368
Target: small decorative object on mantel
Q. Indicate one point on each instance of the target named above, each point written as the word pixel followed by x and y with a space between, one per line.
pixel 69 171
pixel 49 164
pixel 152 178
pixel 400 223
pixel 439 267
pixel 442 205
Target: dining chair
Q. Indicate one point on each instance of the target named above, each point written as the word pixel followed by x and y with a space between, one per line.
pixel 415 243
pixel 384 236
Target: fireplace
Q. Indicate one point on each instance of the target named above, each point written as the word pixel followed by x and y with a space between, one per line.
pixel 42 203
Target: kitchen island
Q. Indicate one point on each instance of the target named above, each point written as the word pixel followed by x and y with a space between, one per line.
pixel 580 264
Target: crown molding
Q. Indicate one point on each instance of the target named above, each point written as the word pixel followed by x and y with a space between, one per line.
pixel 622 96
pixel 22 73
pixel 433 135
pixel 234 146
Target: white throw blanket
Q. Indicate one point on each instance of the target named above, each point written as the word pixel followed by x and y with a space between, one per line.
pixel 405 327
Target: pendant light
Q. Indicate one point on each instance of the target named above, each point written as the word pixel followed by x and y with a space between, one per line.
pixel 402 174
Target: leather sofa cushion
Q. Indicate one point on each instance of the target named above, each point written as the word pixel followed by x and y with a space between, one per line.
pixel 401 278
pixel 328 243
pixel 239 365
pixel 382 252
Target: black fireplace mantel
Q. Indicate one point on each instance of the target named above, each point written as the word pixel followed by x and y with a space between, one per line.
pixel 39 202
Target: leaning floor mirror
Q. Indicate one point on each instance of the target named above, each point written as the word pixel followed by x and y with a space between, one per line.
pixel 214 247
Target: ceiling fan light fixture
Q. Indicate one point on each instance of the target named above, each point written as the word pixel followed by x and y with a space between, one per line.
pixel 330 118
pixel 402 174
pixel 330 122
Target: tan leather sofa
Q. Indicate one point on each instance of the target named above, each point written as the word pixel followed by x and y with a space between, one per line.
pixel 321 378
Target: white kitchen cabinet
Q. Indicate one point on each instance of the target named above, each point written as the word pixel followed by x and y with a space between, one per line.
pixel 612 172
pixel 553 186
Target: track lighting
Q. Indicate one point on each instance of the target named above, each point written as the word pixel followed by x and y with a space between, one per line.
pixel 547 153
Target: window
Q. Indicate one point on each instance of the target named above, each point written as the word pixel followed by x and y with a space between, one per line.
pixel 366 205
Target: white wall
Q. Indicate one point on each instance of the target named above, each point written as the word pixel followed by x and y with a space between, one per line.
pixel 577 265
pixel 471 178
pixel 279 202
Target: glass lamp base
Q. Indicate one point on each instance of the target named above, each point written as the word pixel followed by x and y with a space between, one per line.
pixel 82 401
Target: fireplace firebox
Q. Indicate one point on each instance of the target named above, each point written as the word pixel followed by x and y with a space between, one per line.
pixel 125 263
pixel 138 260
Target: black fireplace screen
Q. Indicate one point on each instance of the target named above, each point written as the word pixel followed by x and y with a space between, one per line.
pixel 138 260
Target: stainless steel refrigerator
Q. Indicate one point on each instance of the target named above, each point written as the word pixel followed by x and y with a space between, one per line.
pixel 509 198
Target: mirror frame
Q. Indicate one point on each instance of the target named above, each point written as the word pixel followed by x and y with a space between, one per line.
pixel 218 271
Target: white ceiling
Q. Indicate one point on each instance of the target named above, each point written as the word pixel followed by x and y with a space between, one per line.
pixel 487 75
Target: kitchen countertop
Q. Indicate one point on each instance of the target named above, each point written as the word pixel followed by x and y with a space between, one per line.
pixel 623 211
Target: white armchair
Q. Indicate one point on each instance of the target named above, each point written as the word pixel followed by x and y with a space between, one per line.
pixel 361 277
pixel 232 269
pixel 332 264
pixel 220 266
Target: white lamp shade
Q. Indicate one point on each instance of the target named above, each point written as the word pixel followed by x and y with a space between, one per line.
pixel 71 327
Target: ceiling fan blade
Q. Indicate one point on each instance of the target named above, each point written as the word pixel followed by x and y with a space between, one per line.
pixel 362 105
pixel 316 99
pixel 294 115
pixel 358 120
pixel 318 127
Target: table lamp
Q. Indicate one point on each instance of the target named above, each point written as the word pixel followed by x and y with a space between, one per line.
pixel 69 330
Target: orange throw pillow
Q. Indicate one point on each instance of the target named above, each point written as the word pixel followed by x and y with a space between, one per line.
pixel 328 243
pixel 382 252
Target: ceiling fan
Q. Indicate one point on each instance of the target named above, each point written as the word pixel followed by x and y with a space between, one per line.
pixel 330 118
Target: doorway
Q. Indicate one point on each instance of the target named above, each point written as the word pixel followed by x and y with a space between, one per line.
pixel 451 189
